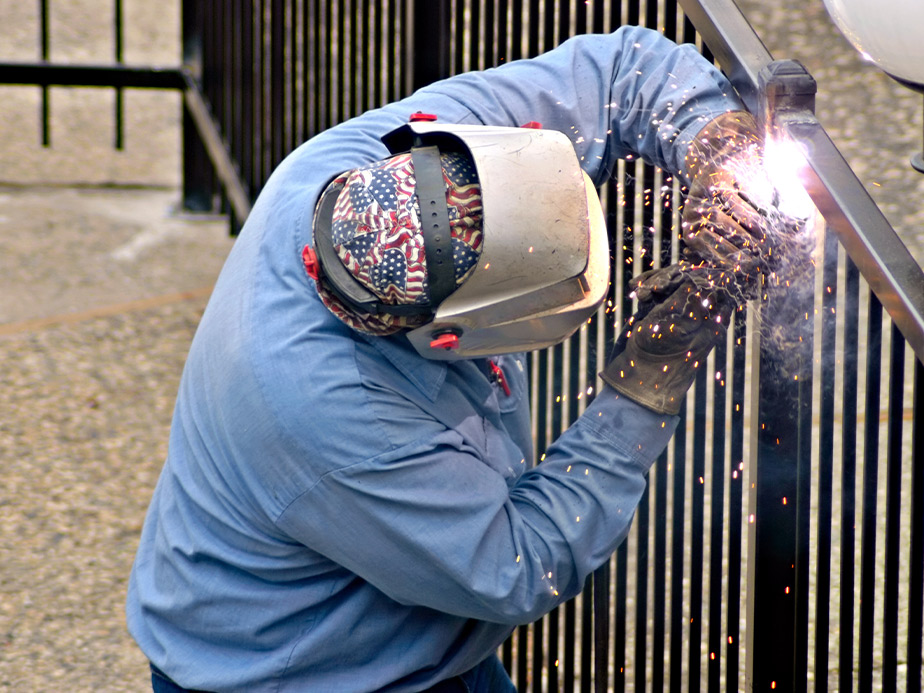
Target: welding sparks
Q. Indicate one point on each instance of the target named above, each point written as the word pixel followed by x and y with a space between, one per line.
pixel 784 162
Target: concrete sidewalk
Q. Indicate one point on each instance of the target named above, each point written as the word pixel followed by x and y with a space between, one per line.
pixel 100 294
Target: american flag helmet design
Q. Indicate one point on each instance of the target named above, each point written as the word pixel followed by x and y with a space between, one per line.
pixel 376 233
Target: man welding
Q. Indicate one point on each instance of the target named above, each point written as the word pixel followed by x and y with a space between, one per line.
pixel 348 501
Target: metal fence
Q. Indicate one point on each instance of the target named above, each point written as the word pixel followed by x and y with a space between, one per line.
pixel 780 544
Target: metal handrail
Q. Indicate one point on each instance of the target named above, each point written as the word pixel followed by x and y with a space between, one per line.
pixel 888 267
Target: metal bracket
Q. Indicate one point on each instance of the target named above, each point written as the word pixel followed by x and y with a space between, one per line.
pixel 786 91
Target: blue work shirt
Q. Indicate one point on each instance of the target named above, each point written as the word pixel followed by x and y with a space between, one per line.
pixel 337 513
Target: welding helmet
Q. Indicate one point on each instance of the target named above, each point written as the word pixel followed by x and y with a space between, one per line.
pixel 542 266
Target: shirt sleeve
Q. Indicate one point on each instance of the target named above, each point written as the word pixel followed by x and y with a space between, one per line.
pixel 431 524
pixel 630 93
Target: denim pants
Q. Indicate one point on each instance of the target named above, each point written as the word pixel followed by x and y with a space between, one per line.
pixel 487 677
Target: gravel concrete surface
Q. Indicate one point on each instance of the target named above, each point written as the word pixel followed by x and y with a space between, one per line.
pixel 103 282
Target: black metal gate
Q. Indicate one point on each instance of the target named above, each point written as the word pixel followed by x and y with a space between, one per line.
pixel 745 567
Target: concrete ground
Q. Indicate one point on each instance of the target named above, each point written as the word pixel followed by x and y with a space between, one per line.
pixel 103 282
pixel 100 294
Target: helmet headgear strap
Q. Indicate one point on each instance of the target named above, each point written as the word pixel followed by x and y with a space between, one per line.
pixel 434 223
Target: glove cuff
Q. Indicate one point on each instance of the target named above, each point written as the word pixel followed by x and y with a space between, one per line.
pixel 659 401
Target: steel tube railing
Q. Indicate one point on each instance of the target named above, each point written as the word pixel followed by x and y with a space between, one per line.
pixel 883 260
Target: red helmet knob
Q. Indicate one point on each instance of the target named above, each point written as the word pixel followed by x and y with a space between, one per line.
pixel 445 340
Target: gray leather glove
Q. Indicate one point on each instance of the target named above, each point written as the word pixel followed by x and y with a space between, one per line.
pixel 682 315
pixel 731 210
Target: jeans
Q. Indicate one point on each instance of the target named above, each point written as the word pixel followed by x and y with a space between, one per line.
pixel 488 677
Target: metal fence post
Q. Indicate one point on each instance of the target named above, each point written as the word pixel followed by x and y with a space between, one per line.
pixel 198 174
pixel 781 442
pixel 430 42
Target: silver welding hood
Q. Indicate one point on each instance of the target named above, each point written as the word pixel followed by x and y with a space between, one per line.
pixel 544 263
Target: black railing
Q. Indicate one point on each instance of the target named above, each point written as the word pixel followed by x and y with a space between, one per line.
pixel 780 544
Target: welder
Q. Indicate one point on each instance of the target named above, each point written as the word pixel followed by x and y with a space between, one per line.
pixel 349 501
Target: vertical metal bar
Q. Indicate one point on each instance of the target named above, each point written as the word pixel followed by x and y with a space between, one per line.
pixel 779 406
pixel 323 67
pixel 848 474
pixel 735 495
pixel 697 501
pixel 458 38
pixel 563 30
pixel 804 496
pixel 46 92
pixel 601 619
pixel 296 131
pixel 277 46
pixel 236 69
pixel 431 41
pixel 220 78
pixel 396 69
pixel 522 657
pixel 659 592
pixel 916 543
pixel 501 25
pixel 619 635
pixel 476 42
pixel 215 79
pixel 893 511
pixel 593 620
pixel 548 28
pixel 551 656
pixel 507 654
pixel 641 522
pixel 568 659
pixel 119 94
pixel 717 507
pixel 489 36
pixel 580 16
pixel 260 101
pixel 198 176
pixel 538 654
pixel 825 459
pixel 373 53
pixel 870 479
pixel 670 19
pixel 248 128
pixel 516 30
pixel 634 12
pixel 535 11
pixel 309 65
pixel 597 17
pixel 342 92
pixel 675 679
pixel 367 76
pixel 616 13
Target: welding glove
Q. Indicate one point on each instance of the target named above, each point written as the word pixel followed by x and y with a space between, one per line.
pixel 726 212
pixel 681 316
